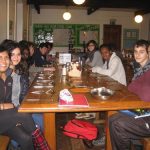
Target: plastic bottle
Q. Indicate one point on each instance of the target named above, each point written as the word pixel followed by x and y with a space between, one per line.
pixel 64 71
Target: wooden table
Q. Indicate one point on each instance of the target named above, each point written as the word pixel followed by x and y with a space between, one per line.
pixel 122 99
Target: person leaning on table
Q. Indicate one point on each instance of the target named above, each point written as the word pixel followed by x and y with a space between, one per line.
pixel 124 128
pixel 112 67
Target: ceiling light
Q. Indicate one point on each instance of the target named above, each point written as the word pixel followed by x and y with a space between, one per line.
pixel 78 2
pixel 138 18
pixel 67 15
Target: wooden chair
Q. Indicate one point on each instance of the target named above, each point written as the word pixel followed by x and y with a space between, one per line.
pixel 146 143
pixel 4 140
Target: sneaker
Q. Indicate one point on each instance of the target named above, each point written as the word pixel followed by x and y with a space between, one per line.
pixel 81 115
pixel 99 142
pixel 85 116
pixel 90 116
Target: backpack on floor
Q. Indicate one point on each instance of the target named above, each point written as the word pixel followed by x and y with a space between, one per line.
pixel 82 130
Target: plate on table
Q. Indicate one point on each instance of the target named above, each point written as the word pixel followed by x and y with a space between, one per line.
pixel 42 86
pixel 44 81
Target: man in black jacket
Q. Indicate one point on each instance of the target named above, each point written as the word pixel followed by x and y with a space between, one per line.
pixel 40 55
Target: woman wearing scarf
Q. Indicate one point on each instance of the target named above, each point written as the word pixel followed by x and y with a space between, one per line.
pixel 94 57
pixel 125 128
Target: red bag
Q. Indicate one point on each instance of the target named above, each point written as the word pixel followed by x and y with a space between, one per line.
pixel 80 129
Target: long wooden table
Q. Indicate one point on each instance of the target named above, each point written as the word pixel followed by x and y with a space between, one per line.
pixel 44 103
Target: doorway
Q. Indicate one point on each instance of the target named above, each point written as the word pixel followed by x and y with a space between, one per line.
pixel 112 35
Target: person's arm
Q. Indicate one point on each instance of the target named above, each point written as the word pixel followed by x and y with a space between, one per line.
pixel 97 58
pixel 24 86
pixel 141 86
pixel 113 66
pixel 87 61
pixel 4 106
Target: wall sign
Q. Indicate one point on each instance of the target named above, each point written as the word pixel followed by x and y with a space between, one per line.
pixel 64 58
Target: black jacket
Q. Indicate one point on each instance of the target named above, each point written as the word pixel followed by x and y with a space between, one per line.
pixel 6 90
pixel 39 59
pixel 24 85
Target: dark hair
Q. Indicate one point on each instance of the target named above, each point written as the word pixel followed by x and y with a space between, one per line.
pixel 3 49
pixel 49 44
pixel 23 43
pixel 93 42
pixel 5 42
pixel 31 44
pixel 10 45
pixel 112 47
pixel 142 43
pixel 23 46
pixel 43 45
pixel 105 46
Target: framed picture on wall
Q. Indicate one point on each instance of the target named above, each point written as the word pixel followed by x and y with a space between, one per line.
pixel 130 36
pixel 87 32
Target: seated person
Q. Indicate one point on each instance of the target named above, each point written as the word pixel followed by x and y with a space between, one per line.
pixel 18 126
pixel 124 128
pixel 94 57
pixel 32 68
pixel 40 55
pixel 112 67
pixel 50 56
pixel 20 79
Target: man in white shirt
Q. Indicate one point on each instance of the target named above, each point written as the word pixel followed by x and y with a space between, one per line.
pixel 112 67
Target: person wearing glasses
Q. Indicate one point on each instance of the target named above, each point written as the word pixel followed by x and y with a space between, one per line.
pixel 94 57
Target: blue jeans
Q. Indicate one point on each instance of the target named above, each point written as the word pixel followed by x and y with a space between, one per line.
pixel 38 119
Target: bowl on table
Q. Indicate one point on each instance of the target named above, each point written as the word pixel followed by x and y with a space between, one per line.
pixel 102 93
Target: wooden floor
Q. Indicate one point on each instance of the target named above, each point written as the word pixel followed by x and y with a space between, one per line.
pixel 67 143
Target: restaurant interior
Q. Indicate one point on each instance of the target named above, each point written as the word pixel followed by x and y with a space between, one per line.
pixel 69 25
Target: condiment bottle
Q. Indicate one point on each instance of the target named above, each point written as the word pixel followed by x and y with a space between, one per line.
pixel 64 70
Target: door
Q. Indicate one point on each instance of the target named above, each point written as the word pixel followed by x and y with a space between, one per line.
pixel 112 35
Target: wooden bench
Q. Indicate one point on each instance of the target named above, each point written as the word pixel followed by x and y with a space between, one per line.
pixel 4 140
